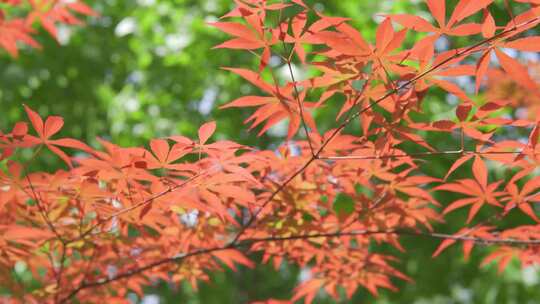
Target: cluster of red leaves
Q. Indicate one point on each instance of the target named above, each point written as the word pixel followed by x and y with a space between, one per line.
pixel 18 30
pixel 122 217
pixel 504 88
pixel 121 207
pixel 382 85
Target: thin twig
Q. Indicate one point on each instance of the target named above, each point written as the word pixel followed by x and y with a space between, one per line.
pixel 296 91
pixel 421 154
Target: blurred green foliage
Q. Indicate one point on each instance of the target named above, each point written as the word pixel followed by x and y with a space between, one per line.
pixel 146 69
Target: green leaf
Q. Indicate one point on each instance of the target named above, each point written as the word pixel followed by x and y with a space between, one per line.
pixel 343 204
pixel 358 84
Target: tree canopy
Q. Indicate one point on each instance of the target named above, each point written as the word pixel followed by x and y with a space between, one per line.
pixel 388 151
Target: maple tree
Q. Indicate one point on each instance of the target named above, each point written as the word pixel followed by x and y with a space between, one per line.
pixel 118 218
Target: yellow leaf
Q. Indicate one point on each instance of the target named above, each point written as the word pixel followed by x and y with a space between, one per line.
pixel 78 244
pixel 214 221
pixel 178 210
pixel 53 288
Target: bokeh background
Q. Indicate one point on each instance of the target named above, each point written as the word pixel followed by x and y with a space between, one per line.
pixel 146 68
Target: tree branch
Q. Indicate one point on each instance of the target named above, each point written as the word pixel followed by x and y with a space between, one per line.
pixel 247 242
pixel 350 118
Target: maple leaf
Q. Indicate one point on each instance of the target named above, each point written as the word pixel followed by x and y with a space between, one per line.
pixel 503 254
pixel 251 36
pixel 52 125
pixel 11 183
pixel 298 24
pixel 478 189
pixel 410 185
pixel 218 149
pixel 463 9
pixel 479 232
pixel 280 105
pixel 348 41
pixel 307 289
pixel 434 68
pixel 249 8
pixel 523 198
pixel 231 256
pixel 14 31
pixel 164 155
pixel 21 233
pixel 515 69
pixel 49 12
pixel 302 34
pixel 469 124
